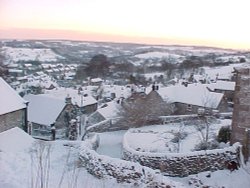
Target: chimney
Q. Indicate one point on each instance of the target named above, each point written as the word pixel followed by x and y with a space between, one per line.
pixel 68 99
pixel 153 87
pixel 157 87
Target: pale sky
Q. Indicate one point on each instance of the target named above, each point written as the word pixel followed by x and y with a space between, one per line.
pixel 221 23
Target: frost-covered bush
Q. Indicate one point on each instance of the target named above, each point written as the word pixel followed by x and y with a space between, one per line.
pixel 224 134
pixel 179 136
pixel 203 145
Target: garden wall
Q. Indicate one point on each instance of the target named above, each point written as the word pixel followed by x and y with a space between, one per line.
pixel 123 171
pixel 179 164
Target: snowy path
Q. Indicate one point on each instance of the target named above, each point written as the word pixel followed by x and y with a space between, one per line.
pixel 111 143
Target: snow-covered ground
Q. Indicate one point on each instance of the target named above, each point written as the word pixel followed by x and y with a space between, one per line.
pixel 159 55
pixel 29 54
pixel 158 138
pixel 221 71
pixel 111 143
pixel 219 179
pixel 19 164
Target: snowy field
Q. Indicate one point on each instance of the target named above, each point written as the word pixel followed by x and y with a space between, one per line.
pixel 221 71
pixel 28 54
pixel 153 55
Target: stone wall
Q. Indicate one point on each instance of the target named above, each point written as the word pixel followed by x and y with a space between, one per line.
pixel 102 126
pixel 105 126
pixel 13 119
pixel 178 164
pixel 123 171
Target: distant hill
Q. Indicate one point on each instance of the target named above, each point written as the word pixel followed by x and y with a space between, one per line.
pixel 81 51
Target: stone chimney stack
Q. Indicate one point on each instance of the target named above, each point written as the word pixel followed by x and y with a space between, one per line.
pixel 155 87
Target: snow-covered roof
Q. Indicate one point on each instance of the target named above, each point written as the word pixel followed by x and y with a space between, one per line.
pixel 45 66
pixel 194 94
pixel 84 100
pixel 13 65
pixel 9 99
pixel 79 99
pixel 222 85
pixel 110 111
pixel 17 140
pixel 120 91
pixel 15 71
pixel 40 73
pixel 22 78
pixel 28 65
pixel 93 80
pixel 43 109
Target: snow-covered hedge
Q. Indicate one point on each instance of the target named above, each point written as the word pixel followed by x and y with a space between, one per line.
pixel 123 171
pixel 183 164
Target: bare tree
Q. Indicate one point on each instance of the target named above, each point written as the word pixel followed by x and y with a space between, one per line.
pixel 205 120
pixel 143 110
pixel 40 165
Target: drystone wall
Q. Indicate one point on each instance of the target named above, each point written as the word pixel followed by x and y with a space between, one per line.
pixel 105 125
pixel 123 171
pixel 178 164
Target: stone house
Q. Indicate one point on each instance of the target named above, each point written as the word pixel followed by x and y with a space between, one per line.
pixel 45 112
pixel 183 100
pixel 225 87
pixel 241 119
pixel 86 103
pixel 13 108
pixel 96 81
pixel 109 111
pixel 143 109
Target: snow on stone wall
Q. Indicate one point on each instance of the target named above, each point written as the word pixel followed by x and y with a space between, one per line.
pixel 183 164
pixel 105 126
pixel 99 127
pixel 123 171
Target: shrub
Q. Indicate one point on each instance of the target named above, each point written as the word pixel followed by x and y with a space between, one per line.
pixel 179 136
pixel 203 145
pixel 224 134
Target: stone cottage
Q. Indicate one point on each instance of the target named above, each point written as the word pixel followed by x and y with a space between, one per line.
pixel 13 108
pixel 191 98
pixel 84 101
pixel 225 87
pixel 45 112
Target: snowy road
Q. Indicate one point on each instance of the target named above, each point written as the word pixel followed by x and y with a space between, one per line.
pixel 111 143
